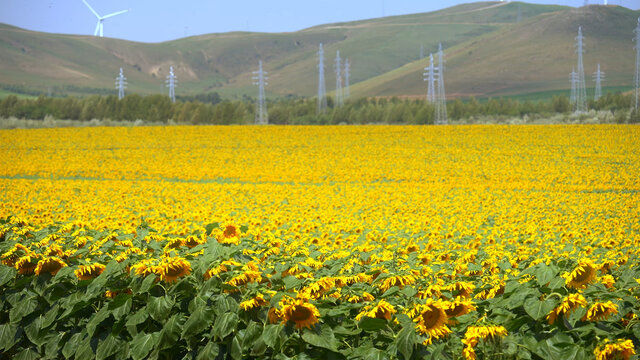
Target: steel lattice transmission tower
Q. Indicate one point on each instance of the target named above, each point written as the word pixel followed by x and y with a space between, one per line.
pixel 347 72
pixel 121 84
pixel 260 78
pixel 172 82
pixel 637 78
pixel 338 70
pixel 441 99
pixel 430 78
pixel 581 90
pixel 574 81
pixel 322 93
pixel 598 77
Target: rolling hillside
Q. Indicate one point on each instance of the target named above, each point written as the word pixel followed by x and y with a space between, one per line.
pixel 487 53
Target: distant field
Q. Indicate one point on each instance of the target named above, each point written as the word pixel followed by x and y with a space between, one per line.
pixel 430 242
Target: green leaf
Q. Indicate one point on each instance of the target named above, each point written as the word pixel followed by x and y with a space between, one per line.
pixel 225 325
pixel 392 291
pixel 7 274
pixel 271 334
pixel 252 332
pixel 197 322
pixel 538 309
pixel 70 347
pixel 406 340
pixel 171 331
pixel 84 350
pixel 236 349
pixel 108 347
pixel 544 274
pixel 33 332
pixel 52 348
pixel 26 307
pixel 210 227
pixel 8 336
pixel 123 309
pixel 142 344
pixel 325 339
pixel 291 282
pixel 209 351
pixel 372 324
pixel 27 354
pixel 50 317
pixel 160 307
pixel 138 318
pixel 99 317
pixel 147 284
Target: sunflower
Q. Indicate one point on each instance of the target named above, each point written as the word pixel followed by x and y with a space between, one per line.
pixel 230 235
pixel 246 277
pixel 302 313
pixel 431 319
pixel 476 333
pixel 600 311
pixel 622 350
pixel 254 302
pixel 172 268
pixel 461 288
pixel 382 310
pixel 568 304
pixel 87 272
pixel 458 307
pixel 145 267
pixel 360 298
pixel 26 264
pixel 397 280
pixel 275 315
pixel 49 265
pixel 584 273
pixel 608 281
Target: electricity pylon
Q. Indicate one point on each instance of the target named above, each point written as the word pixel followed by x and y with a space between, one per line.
pixel 121 84
pixel 260 78
pixel 172 82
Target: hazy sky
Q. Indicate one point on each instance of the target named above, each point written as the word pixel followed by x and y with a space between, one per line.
pixel 160 20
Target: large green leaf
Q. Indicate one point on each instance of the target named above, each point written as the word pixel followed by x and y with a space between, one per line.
pixel 7 274
pixel 33 332
pixel 545 273
pixel 197 322
pixel 108 347
pixel 171 331
pixel 70 347
pixel 96 319
pixel 84 350
pixel 160 307
pixel 121 307
pixel 8 336
pixel 50 317
pixel 538 309
pixel 406 340
pixel 142 344
pixel 209 351
pixel 53 344
pixel 225 325
pixel 372 324
pixel 325 339
pixel 27 354
pixel 271 334
pixel 26 307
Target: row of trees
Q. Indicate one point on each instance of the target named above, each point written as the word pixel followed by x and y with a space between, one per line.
pixel 210 109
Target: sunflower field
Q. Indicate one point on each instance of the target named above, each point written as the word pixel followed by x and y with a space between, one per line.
pixel 346 242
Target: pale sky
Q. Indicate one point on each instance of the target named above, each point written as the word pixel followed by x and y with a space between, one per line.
pixel 161 20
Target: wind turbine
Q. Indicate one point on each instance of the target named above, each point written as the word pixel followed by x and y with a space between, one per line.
pixel 99 27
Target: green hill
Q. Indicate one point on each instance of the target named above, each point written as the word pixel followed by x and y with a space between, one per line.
pixel 487 53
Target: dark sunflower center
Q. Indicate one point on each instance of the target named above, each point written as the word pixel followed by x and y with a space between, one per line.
pixel 230 231
pixel 457 310
pixel 430 318
pixel 584 276
pixel 301 313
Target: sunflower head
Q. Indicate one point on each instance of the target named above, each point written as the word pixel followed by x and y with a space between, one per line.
pixel 600 311
pixel 172 268
pixel 302 313
pixel 49 265
pixel 431 318
pixel 87 272
pixel 582 274
pixel 620 350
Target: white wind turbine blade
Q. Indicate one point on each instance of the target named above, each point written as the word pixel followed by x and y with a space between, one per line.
pixel 101 28
pixel 97 29
pixel 90 8
pixel 114 14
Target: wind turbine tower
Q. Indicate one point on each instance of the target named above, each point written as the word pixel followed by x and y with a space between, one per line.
pixel 347 72
pixel 172 81
pixel 581 91
pixel 322 93
pixel 262 118
pixel 598 77
pixel 121 84
pixel 99 26
pixel 441 99
pixel 430 78
pixel 637 78
pixel 338 69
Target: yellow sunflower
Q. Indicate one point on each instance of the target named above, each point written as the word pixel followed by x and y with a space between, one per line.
pixel 87 272
pixel 620 350
pixel 145 267
pixel 230 235
pixel 49 265
pixel 584 273
pixel 26 264
pixel 172 268
pixel 254 302
pixel 600 311
pixel 458 307
pixel 431 319
pixel 476 333
pixel 568 304
pixel 382 310
pixel 302 313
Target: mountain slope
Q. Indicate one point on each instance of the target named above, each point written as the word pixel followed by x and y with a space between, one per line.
pixel 487 53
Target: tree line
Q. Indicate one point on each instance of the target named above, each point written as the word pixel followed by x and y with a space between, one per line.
pixel 211 109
